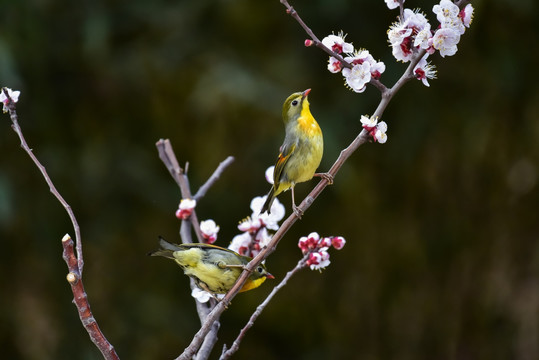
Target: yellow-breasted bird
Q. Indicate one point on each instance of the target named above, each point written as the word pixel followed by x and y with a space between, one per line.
pixel 214 269
pixel 301 151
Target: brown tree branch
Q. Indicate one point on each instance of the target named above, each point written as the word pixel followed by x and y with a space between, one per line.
pixel 166 154
pixel 213 178
pixel 16 127
pixel 236 345
pixel 74 262
pixel 81 302
pixel 209 343
pixel 462 3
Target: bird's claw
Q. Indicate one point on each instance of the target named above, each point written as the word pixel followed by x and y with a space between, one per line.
pixel 298 211
pixel 326 176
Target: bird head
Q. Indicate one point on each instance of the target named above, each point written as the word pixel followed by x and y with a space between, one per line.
pixel 257 277
pixel 294 104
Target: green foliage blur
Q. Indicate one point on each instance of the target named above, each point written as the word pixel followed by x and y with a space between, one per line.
pixel 441 222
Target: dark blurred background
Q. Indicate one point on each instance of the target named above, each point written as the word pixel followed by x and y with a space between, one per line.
pixel 442 258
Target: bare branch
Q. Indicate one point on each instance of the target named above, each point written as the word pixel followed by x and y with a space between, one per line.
pixel 81 302
pixel 74 262
pixel 166 154
pixel 213 178
pixel 401 9
pixel 235 346
pixel 462 3
pixel 209 343
pixel 199 337
pixel 16 127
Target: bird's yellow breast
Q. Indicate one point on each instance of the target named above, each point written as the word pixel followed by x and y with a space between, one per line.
pixel 306 122
pixel 252 284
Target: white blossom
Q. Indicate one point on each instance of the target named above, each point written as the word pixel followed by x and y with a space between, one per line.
pixel 209 230
pixel 334 65
pixel 319 260
pixel 425 70
pixel 337 44
pixel 14 95
pixel 357 77
pixel 445 40
pixel 392 4
pixel 269 219
pixel 200 295
pixel 466 15
pixel 368 122
pixel 241 243
pixel 269 174
pixel 185 208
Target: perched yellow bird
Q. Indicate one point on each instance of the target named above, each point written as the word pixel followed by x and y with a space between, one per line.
pixel 214 269
pixel 301 151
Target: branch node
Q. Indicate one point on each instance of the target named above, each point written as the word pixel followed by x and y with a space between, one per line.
pixel 89 321
pixel 72 278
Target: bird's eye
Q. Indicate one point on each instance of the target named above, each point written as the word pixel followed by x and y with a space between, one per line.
pixel 259 269
pixel 294 103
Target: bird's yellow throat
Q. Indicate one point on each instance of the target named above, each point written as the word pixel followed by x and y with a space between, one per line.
pixel 306 121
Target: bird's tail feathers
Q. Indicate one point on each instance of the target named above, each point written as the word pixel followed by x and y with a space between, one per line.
pixel 167 249
pixel 269 201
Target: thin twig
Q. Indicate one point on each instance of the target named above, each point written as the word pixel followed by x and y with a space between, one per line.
pixel 203 309
pixel 74 262
pixel 213 178
pixel 209 343
pixel 166 154
pixel 316 41
pixel 16 127
pixel 462 3
pixel 236 345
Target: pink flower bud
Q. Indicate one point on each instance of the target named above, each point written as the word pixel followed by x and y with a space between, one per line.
pixel 324 242
pixel 210 239
pixel 308 42
pixel 314 259
pixel 185 208
pixel 302 244
pixel 183 214
pixel 338 242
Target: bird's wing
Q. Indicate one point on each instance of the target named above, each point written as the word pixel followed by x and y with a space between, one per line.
pixel 207 247
pixel 286 151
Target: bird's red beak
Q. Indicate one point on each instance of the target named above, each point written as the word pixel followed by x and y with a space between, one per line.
pixel 306 93
pixel 269 276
